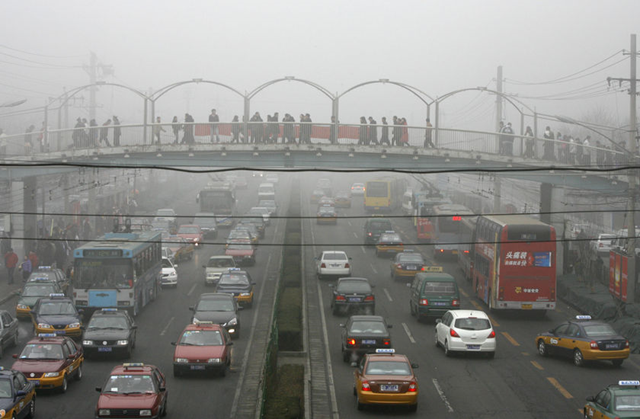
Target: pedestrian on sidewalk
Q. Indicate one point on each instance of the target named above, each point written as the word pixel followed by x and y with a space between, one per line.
pixel 26 268
pixel 33 257
pixel 10 262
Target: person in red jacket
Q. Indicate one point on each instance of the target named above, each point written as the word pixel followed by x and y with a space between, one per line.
pixel 10 262
pixel 34 259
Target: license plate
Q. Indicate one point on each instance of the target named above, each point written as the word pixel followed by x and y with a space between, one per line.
pixel 454 252
pixel 527 306
pixel 368 341
pixel 355 299
pixel 335 265
pixel 104 349
pixel 36 382
pixel 388 387
pixel 611 346
pixel 439 303
pixel 412 267
pixel 197 367
pixel 472 347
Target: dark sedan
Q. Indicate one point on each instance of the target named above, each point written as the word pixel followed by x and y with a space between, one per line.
pixel 363 335
pixel 110 331
pixel 352 294
pixel 219 309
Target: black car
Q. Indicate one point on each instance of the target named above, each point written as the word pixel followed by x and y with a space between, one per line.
pixel 110 331
pixel 56 314
pixel 17 395
pixel 353 294
pixel 258 222
pixel 8 331
pixel 363 335
pixel 239 284
pixel 218 308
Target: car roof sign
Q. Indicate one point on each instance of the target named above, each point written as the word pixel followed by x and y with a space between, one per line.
pixel 583 317
pixel 55 295
pixel 109 310
pixel 47 335
pixel 629 383
pixel 385 351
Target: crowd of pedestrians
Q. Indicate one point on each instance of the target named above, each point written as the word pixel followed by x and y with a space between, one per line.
pixel 88 134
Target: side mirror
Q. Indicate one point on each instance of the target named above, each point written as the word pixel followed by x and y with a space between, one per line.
pixel 438 321
pixel 414 365
pixel 342 324
pixel 173 344
pixel 20 393
pixel 15 356
pixel 204 266
pixel 230 344
pixel 192 309
pixel 82 328
pixel 254 283
pixel 175 266
pixel 240 308
pixel 99 389
pixel 350 258
pixel 71 356
pixel 591 399
pixel 354 364
pixel 551 331
pixel 134 327
pixel 163 389
pixel 331 286
pixel 408 284
pixel 389 326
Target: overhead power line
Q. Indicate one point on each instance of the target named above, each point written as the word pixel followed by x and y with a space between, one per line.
pixel 40 55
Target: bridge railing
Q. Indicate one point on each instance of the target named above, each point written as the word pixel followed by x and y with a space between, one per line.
pixel 132 135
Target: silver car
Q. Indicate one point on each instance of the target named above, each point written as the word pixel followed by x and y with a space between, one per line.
pixel 8 331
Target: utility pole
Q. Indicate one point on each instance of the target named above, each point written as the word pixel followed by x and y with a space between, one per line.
pixel 498 105
pixel 93 78
pixel 631 228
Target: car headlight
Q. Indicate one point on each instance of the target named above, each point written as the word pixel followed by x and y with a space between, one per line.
pixel 74 325
pixel 87 342
pixel 44 326
pixel 232 322
pixel 245 294
pixel 123 342
pixel 23 307
pixel 145 412
pixel 104 412
pixel 51 374
pixel 182 360
pixel 214 360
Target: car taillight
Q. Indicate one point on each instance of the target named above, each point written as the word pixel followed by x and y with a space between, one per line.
pixel 424 302
pixel 600 244
pixel 74 294
pixel 400 244
pixel 369 298
pixel 323 265
pixel 492 335
pixel 593 344
pixel 366 386
pixel 369 234
pixel 454 333
pixel 346 265
pixel 455 302
pixel 387 342
pixel 340 298
pixel 441 250
pixel 351 342
pixel 399 266
pixel 413 387
pixel 501 293
pixel 626 344
pixel 553 294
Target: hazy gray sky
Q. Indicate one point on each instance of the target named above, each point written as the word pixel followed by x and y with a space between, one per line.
pixel 437 46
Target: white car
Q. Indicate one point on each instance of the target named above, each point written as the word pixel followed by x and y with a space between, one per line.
pixel 333 263
pixel 166 214
pixel 271 205
pixel 263 212
pixel 266 190
pixel 273 178
pixel 465 331
pixel 604 243
pixel 169 273
pixel 357 189
pixel 168 253
pixel 216 266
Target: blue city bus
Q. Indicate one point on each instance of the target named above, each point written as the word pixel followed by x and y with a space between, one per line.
pixel 118 270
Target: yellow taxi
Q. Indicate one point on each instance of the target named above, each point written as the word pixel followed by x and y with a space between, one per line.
pixel 584 340
pixel 181 248
pixel 17 395
pixel 50 361
pixel 389 243
pixel 615 401
pixel 327 215
pixel 56 314
pixel 385 378
pixel 343 199
pixel 239 284
pixel 406 265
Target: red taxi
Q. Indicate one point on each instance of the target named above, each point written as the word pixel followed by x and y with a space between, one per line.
pixel 203 346
pixel 243 253
pixel 50 361
pixel 133 391
pixel 191 233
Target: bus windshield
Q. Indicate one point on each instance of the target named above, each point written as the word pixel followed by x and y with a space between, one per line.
pixel 103 273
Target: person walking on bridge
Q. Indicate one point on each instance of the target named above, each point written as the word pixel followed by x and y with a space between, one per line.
pixel 188 137
pixel 104 133
pixel 427 135
pixel 363 135
pixel 395 140
pixel 176 127
pixel 214 119
pixel 158 129
pixel 384 139
pixel 28 139
pixel 117 132
pixel 235 130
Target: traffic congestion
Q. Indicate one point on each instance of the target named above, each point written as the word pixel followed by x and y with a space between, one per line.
pixel 159 318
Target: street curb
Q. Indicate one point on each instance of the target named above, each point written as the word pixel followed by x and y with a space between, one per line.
pixel 9 296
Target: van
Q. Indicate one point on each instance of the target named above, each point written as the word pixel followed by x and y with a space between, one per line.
pixel 433 293
pixel 266 191
pixel 374 227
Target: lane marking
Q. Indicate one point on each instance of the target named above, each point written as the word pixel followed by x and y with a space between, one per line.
pixel 406 329
pixel 167 326
pixel 442 395
pixel 559 387
pixel 463 292
pixel 538 366
pixel 633 363
pixel 193 287
pixel 363 250
pixel 349 222
pixel 525 354
pixel 354 234
pixel 388 295
pixel 510 339
pixel 373 269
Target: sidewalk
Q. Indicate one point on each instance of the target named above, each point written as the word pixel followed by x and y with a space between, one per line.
pixel 9 291
pixel 600 305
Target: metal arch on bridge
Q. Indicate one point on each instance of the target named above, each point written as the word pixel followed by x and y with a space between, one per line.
pixel 71 93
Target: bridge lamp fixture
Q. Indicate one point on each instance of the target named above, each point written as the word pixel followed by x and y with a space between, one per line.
pixel 614 182
pixel 223 154
pixel 198 80
pixel 510 163
pixel 159 155
pixel 415 154
pixel 446 158
pixel 101 83
pixel 289 77
pixel 384 154
pixel 351 152
pixel 384 80
pixel 126 156
pixel 319 152
pixel 191 154
pixel 287 151
pixel 255 151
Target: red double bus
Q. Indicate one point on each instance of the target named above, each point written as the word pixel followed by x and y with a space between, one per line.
pixel 514 264
pixel 423 213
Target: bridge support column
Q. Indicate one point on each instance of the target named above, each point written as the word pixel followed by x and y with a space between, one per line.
pixel 550 200
pixel 245 120
pixel 497 205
